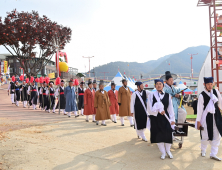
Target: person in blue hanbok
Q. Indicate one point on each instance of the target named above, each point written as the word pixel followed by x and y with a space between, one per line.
pixel 70 99
pixel 180 113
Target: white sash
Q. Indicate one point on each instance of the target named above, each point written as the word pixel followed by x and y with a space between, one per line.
pixel 141 100
pixel 162 107
pixel 210 108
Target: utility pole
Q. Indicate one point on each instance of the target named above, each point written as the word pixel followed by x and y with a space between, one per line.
pixel 104 74
pixel 191 57
pixel 89 62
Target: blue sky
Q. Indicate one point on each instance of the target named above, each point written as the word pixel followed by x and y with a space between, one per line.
pixel 122 30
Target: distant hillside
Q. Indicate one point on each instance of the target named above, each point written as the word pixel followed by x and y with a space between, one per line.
pixel 179 63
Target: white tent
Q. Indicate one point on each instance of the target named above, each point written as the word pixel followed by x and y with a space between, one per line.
pixel 204 72
pixel 118 81
pixel 131 80
pixel 181 85
pixel 129 83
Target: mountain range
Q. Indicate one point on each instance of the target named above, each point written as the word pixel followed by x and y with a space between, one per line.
pixel 179 63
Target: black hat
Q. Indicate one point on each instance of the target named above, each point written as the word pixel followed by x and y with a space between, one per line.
pixel 123 80
pixel 70 81
pixel 62 81
pixel 101 82
pixel 113 83
pixel 158 80
pixel 89 81
pixel 94 82
pixel 82 83
pixel 51 82
pixel 208 80
pixel 168 75
pixel 138 83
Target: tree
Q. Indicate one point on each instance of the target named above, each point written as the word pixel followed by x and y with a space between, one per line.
pixel 32 39
pixel 80 75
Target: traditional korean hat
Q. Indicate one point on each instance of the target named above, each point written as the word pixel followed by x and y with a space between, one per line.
pixel 138 83
pixel 113 83
pixel 123 80
pixel 89 81
pixel 158 80
pixel 168 75
pixel 101 82
pixel 62 81
pixel 94 81
pixel 82 83
pixel 208 80
pixel 51 82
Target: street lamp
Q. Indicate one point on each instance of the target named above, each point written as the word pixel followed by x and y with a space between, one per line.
pixel 89 62
pixel 191 57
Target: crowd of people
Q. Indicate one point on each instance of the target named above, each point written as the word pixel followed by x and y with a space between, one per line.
pixel 157 111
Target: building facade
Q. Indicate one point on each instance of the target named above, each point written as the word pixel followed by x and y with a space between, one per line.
pixel 48 70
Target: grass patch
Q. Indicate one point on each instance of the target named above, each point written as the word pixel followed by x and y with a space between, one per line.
pixel 191 116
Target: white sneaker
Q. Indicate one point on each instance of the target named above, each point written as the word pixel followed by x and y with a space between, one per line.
pixel 144 139
pixel 203 153
pixel 163 156
pixel 215 158
pixel 170 155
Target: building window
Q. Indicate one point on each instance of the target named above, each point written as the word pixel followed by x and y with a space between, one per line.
pixel 10 60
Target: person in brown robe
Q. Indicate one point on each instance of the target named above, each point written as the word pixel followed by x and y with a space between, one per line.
pixel 102 104
pixel 113 97
pixel 89 96
pixel 124 99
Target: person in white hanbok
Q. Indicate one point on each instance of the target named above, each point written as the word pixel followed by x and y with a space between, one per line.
pixel 162 119
pixel 138 107
pixel 209 117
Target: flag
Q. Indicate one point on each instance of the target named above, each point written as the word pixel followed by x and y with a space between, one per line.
pixel 8 71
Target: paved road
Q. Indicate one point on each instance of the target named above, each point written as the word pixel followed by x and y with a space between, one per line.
pixel 36 140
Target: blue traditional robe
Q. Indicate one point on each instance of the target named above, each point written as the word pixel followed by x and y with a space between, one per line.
pixel 176 102
pixel 70 99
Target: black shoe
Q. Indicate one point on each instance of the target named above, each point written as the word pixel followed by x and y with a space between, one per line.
pixel 103 124
pixel 131 125
pixel 69 116
pixel 87 120
pixel 97 123
pixel 94 121
pixel 76 116
pixel 114 122
pixel 122 125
